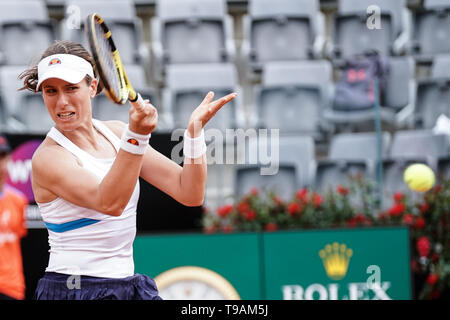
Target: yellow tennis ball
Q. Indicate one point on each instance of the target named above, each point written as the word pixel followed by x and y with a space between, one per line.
pixel 419 177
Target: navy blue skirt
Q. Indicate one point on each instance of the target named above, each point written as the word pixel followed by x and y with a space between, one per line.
pixel 58 286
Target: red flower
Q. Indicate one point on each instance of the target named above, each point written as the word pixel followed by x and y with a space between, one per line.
pixel 271 227
pixel 398 197
pixel 227 229
pixel 423 246
pixel 317 200
pixel 432 278
pixel 210 229
pixel 360 218
pixel 414 266
pixel 225 210
pixel 438 188
pixel 420 223
pixel 396 210
pixel 424 207
pixel 254 191
pixel 251 215
pixel 435 294
pixel 408 219
pixel 278 201
pixel 435 257
pixel 302 194
pixel 243 207
pixel 293 208
pixel 352 222
pixel 342 190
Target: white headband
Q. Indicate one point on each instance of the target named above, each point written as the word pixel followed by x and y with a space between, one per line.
pixel 67 67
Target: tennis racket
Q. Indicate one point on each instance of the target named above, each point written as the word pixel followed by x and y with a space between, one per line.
pixel 107 60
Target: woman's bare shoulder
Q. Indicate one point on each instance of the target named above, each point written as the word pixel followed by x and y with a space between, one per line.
pixel 50 152
pixel 116 126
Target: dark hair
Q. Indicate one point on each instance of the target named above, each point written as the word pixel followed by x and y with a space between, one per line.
pixel 30 76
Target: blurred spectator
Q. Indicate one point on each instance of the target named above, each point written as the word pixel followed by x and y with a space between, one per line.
pixel 13 206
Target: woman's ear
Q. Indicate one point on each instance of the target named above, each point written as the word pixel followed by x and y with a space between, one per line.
pixel 93 88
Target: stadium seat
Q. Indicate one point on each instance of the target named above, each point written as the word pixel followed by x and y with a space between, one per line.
pixel 25 110
pixel 433 94
pixel 441 66
pixel 120 16
pixel 33 113
pixel 420 144
pixel 105 109
pixel 358 146
pixel 351 33
pixel 293 95
pixel 283 184
pixel 3 116
pixel 9 85
pixel 283 30
pixel 187 85
pixel 330 173
pixel 430 30
pixel 26 31
pixel 443 170
pixel 191 31
pixel 296 165
pixel 396 103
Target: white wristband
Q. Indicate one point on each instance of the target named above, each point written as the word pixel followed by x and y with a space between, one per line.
pixel 194 147
pixel 133 142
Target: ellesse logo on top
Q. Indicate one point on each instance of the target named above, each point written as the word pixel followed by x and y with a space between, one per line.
pixel 133 142
pixel 54 61
pixel 335 258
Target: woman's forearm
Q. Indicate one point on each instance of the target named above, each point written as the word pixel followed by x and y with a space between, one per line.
pixel 117 186
pixel 193 180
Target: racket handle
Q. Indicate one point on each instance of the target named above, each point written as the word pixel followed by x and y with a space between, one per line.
pixel 138 101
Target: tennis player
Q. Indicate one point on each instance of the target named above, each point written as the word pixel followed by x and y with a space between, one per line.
pixel 85 179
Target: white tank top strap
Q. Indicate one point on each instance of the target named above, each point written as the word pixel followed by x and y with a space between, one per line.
pixel 63 141
pixel 111 136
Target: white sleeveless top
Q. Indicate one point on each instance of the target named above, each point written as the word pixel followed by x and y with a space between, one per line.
pixel 84 241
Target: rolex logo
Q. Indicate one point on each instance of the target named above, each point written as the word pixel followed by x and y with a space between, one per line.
pixel 335 258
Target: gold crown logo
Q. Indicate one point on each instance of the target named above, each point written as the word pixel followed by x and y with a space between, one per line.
pixel 335 259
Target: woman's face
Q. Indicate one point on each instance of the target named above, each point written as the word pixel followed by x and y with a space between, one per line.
pixel 68 104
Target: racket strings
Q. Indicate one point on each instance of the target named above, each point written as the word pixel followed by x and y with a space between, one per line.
pixel 107 61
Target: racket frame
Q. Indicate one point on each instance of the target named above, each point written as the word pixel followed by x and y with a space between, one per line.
pixel 126 91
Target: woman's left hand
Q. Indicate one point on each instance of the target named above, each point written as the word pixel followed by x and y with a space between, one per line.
pixel 205 111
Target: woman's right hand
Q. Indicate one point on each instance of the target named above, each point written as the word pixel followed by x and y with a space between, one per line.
pixel 143 117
